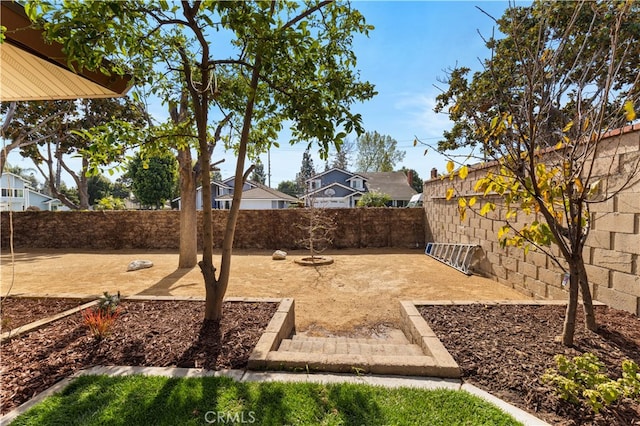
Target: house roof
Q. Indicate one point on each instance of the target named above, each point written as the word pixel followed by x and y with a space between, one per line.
pixel 34 70
pixel 318 175
pixel 392 183
pixel 262 192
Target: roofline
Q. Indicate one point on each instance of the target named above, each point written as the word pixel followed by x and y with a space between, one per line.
pixel 21 33
pixel 327 171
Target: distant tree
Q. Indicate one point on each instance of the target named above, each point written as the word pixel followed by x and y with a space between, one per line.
pixel 377 153
pixel 47 133
pixel 121 188
pixel 153 179
pixel 289 187
pixel 258 174
pixel 341 156
pixel 216 175
pixel 373 199
pixel 70 194
pixel 306 171
pixel 98 187
pixel 416 181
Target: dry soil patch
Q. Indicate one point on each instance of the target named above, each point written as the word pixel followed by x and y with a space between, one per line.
pixel 361 287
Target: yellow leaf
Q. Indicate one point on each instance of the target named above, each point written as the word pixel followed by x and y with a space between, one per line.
pixel 559 145
pixel 472 201
pixel 462 202
pixel 450 166
pixel 630 114
pixel 579 185
pixel 449 193
pixel 463 213
pixel 567 127
pixel 415 142
pixel 464 172
pixel 487 208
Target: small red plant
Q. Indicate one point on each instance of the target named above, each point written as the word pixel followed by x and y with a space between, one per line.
pixel 100 321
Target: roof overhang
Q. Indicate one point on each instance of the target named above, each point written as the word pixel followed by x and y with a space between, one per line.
pixel 33 70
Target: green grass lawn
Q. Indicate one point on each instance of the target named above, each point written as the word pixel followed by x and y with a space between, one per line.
pixel 141 400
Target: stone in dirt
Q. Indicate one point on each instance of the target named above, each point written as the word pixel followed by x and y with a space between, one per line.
pixel 279 255
pixel 139 264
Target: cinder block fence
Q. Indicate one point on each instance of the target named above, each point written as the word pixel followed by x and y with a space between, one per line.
pixel 612 249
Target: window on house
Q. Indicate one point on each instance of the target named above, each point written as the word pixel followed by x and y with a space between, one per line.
pixel 19 193
pixel 315 184
pixel 5 192
pixel 356 183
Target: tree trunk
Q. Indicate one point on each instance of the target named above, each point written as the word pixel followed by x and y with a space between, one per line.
pixel 83 185
pixel 3 159
pixel 188 212
pixel 213 308
pixel 572 308
pixel 587 302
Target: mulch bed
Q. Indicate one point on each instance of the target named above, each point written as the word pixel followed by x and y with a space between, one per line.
pixel 149 333
pixel 505 349
pixel 17 312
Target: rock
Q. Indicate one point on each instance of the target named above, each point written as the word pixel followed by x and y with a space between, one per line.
pixel 139 264
pixel 279 255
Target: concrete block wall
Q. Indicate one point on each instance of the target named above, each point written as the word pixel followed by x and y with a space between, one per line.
pixel 256 229
pixel 612 251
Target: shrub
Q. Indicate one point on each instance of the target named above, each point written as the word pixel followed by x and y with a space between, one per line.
pixel 583 379
pixel 100 321
pixel 101 318
pixel 110 203
pixel 373 199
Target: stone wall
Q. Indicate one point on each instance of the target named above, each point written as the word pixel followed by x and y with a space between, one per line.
pixel 612 249
pixel 256 229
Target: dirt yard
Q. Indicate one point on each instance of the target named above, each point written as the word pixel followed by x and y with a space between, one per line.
pixel 359 290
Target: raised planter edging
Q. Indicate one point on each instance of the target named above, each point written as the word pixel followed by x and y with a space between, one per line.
pixel 281 326
pixel 41 323
pixel 419 333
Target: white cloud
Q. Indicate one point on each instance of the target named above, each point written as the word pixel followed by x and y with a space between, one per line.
pixel 418 114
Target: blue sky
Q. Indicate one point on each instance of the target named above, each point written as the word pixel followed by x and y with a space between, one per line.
pixel 412 45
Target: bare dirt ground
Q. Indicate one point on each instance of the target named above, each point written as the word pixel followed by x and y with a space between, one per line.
pixel 360 289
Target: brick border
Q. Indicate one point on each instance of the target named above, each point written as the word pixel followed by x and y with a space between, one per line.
pixel 281 326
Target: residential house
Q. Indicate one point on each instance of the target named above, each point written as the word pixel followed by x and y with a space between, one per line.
pixel 17 195
pixel 338 188
pixel 255 196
